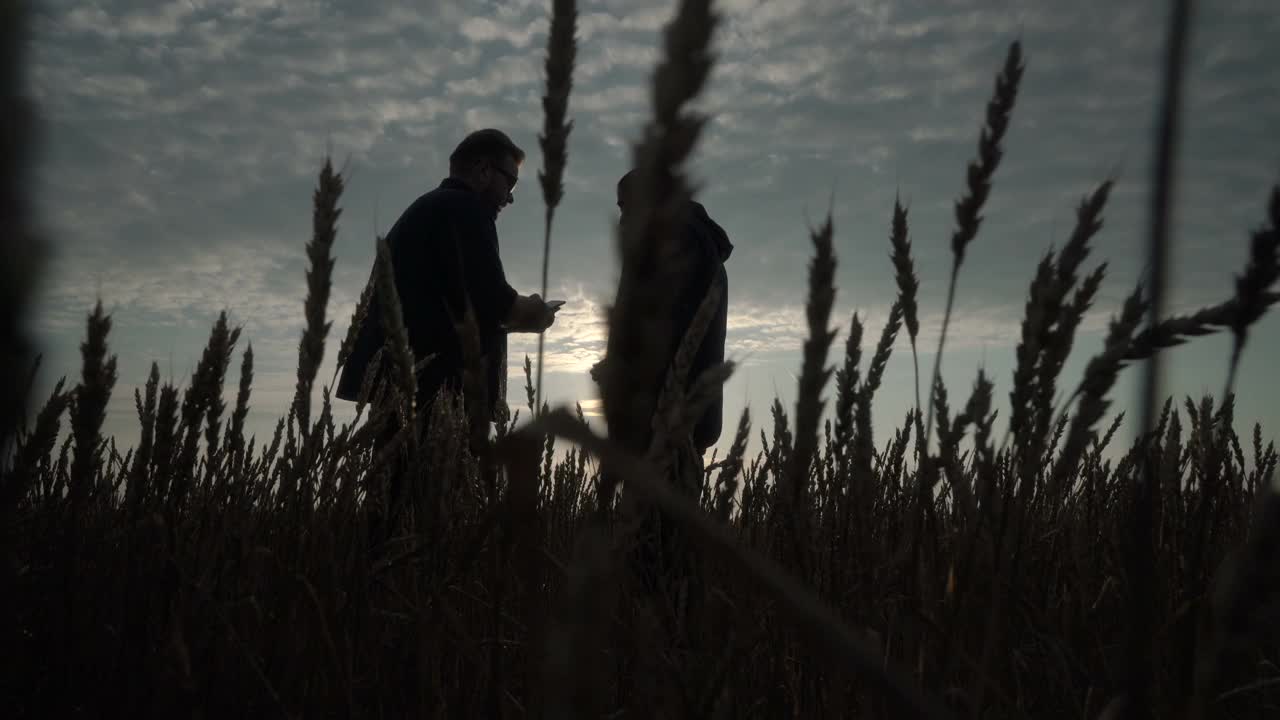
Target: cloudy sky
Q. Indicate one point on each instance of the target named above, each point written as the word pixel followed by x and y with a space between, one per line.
pixel 182 140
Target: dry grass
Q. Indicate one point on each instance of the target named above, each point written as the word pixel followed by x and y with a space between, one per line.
pixel 462 575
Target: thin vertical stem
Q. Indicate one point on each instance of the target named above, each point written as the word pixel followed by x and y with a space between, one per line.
pixel 546 263
pixel 1143 553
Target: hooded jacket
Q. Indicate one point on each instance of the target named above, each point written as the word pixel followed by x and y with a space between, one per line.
pixel 710 247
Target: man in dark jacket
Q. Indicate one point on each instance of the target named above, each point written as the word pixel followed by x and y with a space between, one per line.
pixel 704 248
pixel 444 248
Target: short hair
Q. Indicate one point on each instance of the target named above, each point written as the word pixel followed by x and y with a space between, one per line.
pixel 487 144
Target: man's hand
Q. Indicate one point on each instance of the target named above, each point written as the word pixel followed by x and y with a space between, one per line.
pixel 530 314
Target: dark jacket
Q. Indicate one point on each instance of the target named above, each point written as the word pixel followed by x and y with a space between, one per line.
pixel 708 246
pixel 444 230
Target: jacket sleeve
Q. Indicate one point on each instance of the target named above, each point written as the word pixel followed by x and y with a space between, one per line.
pixel 476 239
pixel 711 351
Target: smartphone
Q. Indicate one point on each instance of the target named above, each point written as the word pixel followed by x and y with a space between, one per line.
pixel 555 304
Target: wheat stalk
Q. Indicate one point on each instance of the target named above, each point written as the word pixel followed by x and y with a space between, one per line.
pixel 324 231
pixel 1254 284
pixel 213 380
pixel 1099 376
pixel 969 208
pixel 1142 557
pixel 33 449
pixel 1035 324
pixel 22 251
pixel 89 408
pixel 203 399
pixel 562 47
pixel 637 350
pixel 358 319
pixel 1049 328
pixel 814 374
pixel 863 440
pixel 908 288
pixel 1176 330
pixel 397 335
pixel 235 436
pixel 731 466
pixel 1061 339
pixel 146 443
pixel 846 393
pixel 166 444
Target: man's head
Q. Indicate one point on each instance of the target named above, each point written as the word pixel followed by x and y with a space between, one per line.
pixel 627 190
pixel 626 187
pixel 489 163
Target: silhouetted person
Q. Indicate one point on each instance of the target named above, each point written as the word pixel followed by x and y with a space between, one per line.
pixel 443 248
pixel 660 555
pixel 704 248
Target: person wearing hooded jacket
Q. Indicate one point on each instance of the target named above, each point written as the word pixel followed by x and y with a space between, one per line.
pixel 708 247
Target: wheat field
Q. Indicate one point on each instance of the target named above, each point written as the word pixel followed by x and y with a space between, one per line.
pixel 905 567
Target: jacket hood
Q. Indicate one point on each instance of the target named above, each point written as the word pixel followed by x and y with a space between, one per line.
pixel 712 229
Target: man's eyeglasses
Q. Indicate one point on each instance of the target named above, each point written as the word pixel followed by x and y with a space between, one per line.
pixel 511 179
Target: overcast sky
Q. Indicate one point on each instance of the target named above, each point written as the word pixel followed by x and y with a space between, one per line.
pixel 182 142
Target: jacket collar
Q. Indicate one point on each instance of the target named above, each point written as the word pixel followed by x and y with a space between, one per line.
pixel 455 184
